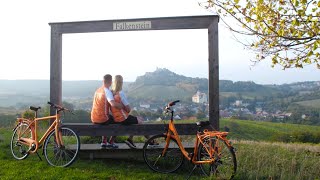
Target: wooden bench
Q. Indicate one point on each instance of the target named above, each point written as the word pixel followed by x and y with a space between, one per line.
pixel 93 151
pixel 89 129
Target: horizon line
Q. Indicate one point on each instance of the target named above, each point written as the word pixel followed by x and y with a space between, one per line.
pixel 134 81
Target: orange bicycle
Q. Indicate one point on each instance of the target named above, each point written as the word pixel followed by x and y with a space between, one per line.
pixel 213 152
pixel 60 144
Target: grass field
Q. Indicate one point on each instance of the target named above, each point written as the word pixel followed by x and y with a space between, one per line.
pixel 268 131
pixel 256 160
pixel 311 103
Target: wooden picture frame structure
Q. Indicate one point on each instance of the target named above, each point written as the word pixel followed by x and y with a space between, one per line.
pixel 209 22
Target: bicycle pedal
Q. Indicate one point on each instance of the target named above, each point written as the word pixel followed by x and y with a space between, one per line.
pixel 234 149
pixel 191 155
pixel 32 148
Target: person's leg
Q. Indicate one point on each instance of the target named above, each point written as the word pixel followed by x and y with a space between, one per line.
pixel 103 143
pixel 130 143
pixel 130 137
pixel 111 140
pixel 111 143
pixel 130 120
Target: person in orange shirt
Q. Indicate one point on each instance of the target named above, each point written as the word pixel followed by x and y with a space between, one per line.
pixel 102 101
pixel 122 116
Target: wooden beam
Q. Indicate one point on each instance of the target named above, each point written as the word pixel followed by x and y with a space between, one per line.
pixel 55 68
pixel 88 129
pixel 163 23
pixel 214 74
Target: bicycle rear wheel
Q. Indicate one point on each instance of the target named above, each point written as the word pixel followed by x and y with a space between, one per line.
pixel 18 149
pixel 152 154
pixel 64 155
pixel 225 163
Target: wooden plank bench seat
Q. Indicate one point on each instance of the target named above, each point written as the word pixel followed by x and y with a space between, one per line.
pixel 89 129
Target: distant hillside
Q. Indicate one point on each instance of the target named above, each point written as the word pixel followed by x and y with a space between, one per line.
pixel 28 92
pixel 42 87
pixel 243 86
pixel 27 87
pixel 160 86
pixel 163 84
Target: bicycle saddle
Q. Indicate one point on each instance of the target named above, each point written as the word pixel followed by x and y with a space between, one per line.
pixel 34 108
pixel 203 123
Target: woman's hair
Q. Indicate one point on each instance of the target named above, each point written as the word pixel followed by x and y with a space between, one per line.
pixel 117 84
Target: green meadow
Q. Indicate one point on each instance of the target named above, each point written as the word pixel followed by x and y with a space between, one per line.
pixel 260 155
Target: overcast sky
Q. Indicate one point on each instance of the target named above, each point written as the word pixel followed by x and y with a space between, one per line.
pixel 25 44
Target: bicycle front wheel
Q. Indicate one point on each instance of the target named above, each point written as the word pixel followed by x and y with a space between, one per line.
pixel 64 155
pixel 225 163
pixel 20 150
pixel 153 154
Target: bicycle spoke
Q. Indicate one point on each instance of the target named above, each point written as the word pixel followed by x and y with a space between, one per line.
pixel 63 155
pixel 19 150
pixel 224 164
pixel 152 154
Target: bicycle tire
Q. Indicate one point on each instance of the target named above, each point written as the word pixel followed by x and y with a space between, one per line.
pixel 169 163
pixel 225 164
pixel 65 155
pixel 19 150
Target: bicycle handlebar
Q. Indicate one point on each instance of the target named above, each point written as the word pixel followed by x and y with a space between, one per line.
pixel 60 108
pixel 171 104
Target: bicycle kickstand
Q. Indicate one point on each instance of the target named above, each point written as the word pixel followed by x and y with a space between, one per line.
pixel 195 166
pixel 39 156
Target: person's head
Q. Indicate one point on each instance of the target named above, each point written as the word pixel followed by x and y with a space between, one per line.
pixel 117 83
pixel 107 80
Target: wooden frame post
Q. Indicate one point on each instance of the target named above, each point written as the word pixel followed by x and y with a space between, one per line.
pixel 213 45
pixel 55 68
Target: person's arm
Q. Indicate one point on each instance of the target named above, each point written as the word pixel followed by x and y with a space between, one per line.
pixel 127 108
pixel 111 100
pixel 125 102
pixel 116 105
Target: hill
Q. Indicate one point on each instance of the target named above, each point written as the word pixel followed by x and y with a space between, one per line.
pixel 21 92
pixel 162 85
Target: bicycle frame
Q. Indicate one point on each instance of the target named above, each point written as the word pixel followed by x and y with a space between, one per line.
pixel 172 133
pixel 33 125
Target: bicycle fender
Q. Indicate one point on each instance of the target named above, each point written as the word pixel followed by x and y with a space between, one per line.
pixel 16 126
pixel 19 121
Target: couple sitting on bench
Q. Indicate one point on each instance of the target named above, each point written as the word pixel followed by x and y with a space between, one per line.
pixel 106 99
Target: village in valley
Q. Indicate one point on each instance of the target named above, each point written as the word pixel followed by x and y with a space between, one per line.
pixel 198 108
